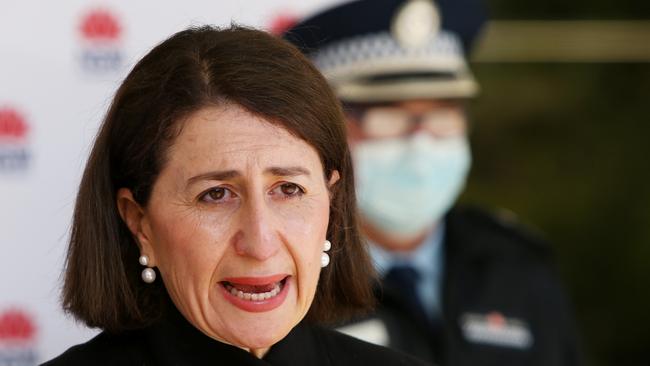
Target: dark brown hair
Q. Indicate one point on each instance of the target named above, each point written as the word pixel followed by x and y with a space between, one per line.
pixel 192 69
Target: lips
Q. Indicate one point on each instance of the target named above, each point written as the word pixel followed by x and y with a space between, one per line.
pixel 256 294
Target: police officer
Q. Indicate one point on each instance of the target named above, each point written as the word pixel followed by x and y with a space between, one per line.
pixel 459 286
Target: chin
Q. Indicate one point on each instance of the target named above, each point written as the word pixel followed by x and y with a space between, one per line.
pixel 260 336
pixel 257 341
pixel 255 330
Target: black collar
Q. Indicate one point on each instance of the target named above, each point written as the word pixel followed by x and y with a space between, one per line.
pixel 174 341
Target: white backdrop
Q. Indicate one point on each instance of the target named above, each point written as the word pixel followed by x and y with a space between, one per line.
pixel 60 62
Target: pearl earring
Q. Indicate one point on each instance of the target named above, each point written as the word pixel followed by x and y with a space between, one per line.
pixel 148 274
pixel 325 258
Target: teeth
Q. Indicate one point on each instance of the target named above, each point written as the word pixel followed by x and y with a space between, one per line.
pixel 254 296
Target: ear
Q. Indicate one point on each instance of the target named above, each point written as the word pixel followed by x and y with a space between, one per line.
pixel 334 177
pixel 135 218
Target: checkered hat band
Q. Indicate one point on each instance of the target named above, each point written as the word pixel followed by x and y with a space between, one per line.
pixel 373 48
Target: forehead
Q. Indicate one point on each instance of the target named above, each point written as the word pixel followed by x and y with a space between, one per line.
pixel 228 134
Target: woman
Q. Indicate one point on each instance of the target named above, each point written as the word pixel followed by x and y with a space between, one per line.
pixel 216 212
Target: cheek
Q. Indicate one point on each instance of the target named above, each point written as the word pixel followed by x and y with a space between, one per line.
pixel 307 233
pixel 188 246
pixel 307 219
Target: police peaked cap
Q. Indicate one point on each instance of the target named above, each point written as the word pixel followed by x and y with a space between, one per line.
pixel 389 50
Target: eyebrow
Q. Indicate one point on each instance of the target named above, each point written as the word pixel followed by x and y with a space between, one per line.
pixel 291 171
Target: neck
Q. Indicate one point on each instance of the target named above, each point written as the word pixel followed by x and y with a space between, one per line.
pixel 395 243
pixel 257 352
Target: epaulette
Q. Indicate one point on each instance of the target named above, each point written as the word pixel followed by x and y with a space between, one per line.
pixel 501 228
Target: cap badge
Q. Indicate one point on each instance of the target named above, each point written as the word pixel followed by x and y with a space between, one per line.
pixel 415 22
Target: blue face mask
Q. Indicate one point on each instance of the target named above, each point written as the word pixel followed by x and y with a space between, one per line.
pixel 406 185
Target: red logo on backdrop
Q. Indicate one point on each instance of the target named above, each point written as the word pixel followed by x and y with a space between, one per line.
pixel 16 326
pixel 282 22
pixel 12 124
pixel 14 149
pixel 17 338
pixel 101 33
pixel 100 25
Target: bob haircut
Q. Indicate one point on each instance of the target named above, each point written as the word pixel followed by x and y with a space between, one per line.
pixel 195 68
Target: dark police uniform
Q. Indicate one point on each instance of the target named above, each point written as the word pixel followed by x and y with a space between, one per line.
pixel 502 301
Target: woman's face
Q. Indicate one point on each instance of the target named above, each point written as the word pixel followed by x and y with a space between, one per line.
pixel 236 224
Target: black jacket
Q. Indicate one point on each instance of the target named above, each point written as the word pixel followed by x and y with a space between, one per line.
pixel 174 341
pixel 502 301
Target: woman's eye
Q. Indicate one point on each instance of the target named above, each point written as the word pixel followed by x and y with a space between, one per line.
pixel 291 189
pixel 216 195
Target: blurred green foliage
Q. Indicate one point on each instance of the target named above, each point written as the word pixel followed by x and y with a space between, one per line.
pixel 565 147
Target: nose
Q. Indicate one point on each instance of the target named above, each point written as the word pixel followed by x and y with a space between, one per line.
pixel 257 237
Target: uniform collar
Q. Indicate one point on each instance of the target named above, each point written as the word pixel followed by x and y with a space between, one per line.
pixel 427 260
pixel 420 258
